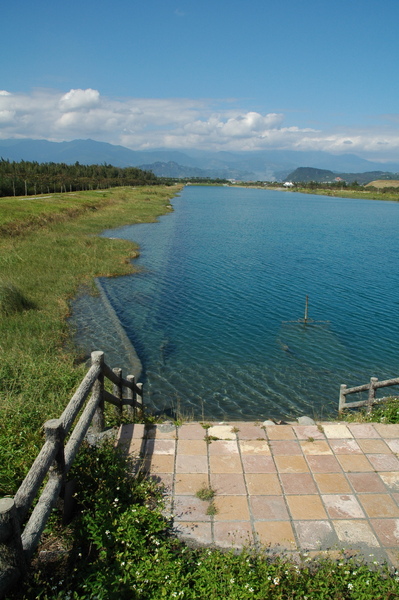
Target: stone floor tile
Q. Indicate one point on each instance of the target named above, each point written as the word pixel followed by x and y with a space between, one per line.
pixel 229 447
pixel 233 534
pixel 355 532
pixel 280 432
pixel 332 483
pixel 255 447
pixel 159 463
pixel 268 508
pixel 191 431
pixel 196 531
pixel 285 448
pixel 164 481
pixel 387 531
pixel 387 431
pixel 189 483
pixel 258 464
pixel 275 533
pixel 315 535
pixel 305 507
pixel 366 482
pixel 250 431
pixel 363 430
pixel 191 464
pixel 231 508
pixel 342 506
pixel 345 447
pixel 391 480
pixel 317 447
pixel 131 431
pixel 157 446
pixel 261 484
pixel 336 431
pixel 190 508
pixel 228 483
pixel 354 463
pixel 291 464
pixel 393 445
pixel 304 432
pixel 323 464
pixel 192 447
pixel 374 446
pixel 135 446
pixel 384 462
pixel 379 505
pixel 393 557
pixel 225 463
pixel 223 432
pixel 163 431
pixel 298 483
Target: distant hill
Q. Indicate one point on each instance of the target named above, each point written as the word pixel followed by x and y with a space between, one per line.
pixel 307 174
pixel 262 165
pixel 386 183
pixel 173 169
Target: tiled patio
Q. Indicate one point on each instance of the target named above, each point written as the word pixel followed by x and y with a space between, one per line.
pixel 313 488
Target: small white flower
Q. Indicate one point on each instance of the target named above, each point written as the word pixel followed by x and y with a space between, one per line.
pixel 276 580
pixel 232 580
pixel 350 586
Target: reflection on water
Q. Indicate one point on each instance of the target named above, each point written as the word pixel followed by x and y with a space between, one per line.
pixel 223 275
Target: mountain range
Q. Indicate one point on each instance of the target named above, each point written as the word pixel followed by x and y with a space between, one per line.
pixel 265 165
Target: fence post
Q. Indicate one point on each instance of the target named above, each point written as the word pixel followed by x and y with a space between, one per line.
pixel 12 560
pixel 140 398
pixel 342 397
pixel 98 389
pixel 130 395
pixel 371 397
pixel 117 388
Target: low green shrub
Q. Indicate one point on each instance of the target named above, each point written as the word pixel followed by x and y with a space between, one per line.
pixel 386 412
pixel 12 299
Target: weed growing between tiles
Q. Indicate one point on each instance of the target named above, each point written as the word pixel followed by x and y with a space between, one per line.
pixel 120 546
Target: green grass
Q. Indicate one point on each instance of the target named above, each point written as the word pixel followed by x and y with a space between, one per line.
pixel 48 249
pixel 386 412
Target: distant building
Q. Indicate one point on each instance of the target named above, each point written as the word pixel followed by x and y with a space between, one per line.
pixel 288 184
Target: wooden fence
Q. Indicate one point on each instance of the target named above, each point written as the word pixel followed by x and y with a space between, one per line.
pixel 368 387
pixel 19 540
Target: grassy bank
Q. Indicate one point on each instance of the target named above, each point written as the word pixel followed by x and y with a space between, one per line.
pixel 49 247
pixel 364 194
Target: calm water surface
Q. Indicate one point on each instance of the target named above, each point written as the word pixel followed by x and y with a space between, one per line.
pixel 223 274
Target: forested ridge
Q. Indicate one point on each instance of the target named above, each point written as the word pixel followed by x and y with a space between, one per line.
pixel 30 178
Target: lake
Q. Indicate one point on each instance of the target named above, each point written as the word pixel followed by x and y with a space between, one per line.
pixel 224 276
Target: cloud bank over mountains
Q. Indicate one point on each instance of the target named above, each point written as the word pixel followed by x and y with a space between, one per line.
pixel 143 124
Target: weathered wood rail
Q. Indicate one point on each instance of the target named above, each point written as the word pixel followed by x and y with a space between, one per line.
pixel 367 387
pixel 18 538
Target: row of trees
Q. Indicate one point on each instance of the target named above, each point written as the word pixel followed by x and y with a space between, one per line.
pixel 30 178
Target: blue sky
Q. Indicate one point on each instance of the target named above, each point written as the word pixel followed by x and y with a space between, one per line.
pixel 221 75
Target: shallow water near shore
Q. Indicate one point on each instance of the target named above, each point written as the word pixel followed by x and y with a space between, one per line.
pixel 223 276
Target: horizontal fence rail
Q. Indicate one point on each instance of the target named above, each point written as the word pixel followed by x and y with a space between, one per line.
pixel 367 387
pixel 19 539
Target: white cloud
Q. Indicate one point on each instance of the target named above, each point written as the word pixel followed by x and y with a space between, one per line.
pixel 79 99
pixel 140 123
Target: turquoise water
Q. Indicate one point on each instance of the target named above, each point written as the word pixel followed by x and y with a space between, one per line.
pixel 224 273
